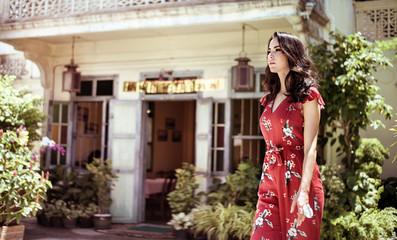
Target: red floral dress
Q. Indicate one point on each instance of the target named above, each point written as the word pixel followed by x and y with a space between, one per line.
pixel 282 129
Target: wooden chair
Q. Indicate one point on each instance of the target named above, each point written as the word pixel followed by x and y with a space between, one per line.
pixel 158 201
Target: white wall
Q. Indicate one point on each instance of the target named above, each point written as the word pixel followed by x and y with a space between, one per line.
pixel 387 82
pixel 342 16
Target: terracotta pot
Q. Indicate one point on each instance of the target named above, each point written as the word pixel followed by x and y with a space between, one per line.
pixel 56 221
pixel 69 223
pixel 43 220
pixel 180 234
pixel 15 232
pixel 102 221
pixel 85 222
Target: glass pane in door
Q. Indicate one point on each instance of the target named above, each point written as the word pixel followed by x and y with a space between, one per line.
pixel 88 133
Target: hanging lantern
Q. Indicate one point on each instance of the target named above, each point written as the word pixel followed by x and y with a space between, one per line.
pixel 70 77
pixel 242 73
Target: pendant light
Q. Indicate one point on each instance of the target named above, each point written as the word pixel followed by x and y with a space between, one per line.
pixel 242 73
pixel 70 77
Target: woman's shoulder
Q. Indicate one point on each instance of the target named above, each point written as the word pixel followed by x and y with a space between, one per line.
pixel 263 99
pixel 312 94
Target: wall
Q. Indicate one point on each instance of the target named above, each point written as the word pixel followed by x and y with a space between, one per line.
pixel 387 82
pixel 341 14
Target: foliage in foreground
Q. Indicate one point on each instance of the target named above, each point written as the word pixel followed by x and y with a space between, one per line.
pixel 22 187
pixel 230 208
pixel 349 89
pixel 19 108
pixel 224 222
pixel 352 197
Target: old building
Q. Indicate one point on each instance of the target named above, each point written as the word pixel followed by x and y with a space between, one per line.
pixel 157 81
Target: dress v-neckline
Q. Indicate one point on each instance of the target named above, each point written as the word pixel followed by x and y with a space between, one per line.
pixel 274 110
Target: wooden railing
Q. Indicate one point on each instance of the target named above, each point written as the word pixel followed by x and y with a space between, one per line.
pixel 377 20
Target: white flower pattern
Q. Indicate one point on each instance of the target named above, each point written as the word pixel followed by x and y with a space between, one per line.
pixel 284 140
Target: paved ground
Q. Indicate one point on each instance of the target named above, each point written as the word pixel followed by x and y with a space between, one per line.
pixel 34 231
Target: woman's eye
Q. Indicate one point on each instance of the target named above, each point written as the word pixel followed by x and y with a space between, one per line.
pixel 278 49
pixel 268 52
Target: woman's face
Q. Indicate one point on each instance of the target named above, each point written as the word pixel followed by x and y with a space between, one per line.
pixel 276 59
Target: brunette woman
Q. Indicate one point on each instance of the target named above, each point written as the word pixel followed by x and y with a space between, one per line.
pixel 291 196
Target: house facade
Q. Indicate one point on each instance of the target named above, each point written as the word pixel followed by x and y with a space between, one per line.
pixel 159 82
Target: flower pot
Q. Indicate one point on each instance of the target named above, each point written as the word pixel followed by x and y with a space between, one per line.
pixel 69 223
pixel 43 220
pixel 56 221
pixel 85 222
pixel 180 234
pixel 15 232
pixel 102 221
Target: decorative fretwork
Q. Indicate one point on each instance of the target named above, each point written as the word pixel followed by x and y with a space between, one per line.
pixel 24 9
pixel 19 10
pixel 377 21
pixel 12 66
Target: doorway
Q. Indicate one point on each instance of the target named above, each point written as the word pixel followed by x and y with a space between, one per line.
pixel 170 137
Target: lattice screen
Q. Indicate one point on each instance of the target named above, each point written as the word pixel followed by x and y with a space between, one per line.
pixel 377 22
pixel 23 9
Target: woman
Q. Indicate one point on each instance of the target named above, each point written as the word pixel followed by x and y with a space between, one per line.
pixel 291 196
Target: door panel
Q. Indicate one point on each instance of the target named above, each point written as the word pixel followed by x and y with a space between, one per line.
pixel 124 127
pixel 203 141
pixel 88 132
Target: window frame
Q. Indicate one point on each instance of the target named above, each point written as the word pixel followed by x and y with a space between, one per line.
pixel 227 140
pixel 48 164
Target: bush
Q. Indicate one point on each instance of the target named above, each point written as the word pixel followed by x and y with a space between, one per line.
pixel 230 208
pixel 19 108
pixel 22 187
pixel 352 197
pixel 183 198
pixel 241 187
pixel 223 222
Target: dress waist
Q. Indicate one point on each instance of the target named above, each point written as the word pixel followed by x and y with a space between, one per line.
pixel 276 149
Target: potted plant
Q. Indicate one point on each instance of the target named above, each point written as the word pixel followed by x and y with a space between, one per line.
pixel 102 177
pixel 183 199
pixel 86 218
pixel 54 212
pixel 181 224
pixel 22 187
pixel 71 213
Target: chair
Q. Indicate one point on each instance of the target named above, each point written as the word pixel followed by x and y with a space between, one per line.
pixel 159 200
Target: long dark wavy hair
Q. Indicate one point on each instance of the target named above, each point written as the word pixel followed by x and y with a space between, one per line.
pixel 301 76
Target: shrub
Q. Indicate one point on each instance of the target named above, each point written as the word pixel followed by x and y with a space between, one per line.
pixel 241 187
pixel 183 198
pixel 224 222
pixel 22 187
pixel 353 212
pixel 19 108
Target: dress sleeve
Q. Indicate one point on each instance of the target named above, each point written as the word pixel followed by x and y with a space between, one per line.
pixel 263 99
pixel 315 94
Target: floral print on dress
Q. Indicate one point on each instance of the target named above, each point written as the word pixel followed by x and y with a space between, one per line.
pixel 288 130
pixel 293 232
pixel 267 123
pixel 281 174
pixel 262 218
pixel 290 165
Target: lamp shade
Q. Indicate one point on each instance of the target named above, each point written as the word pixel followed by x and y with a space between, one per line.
pixel 71 79
pixel 243 75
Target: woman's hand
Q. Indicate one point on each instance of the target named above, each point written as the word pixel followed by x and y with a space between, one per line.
pixel 301 199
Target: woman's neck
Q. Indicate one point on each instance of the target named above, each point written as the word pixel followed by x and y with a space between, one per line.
pixel 282 76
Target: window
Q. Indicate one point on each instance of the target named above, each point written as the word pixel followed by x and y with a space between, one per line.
pixel 95 87
pixel 59 131
pixel 218 138
pixel 248 143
